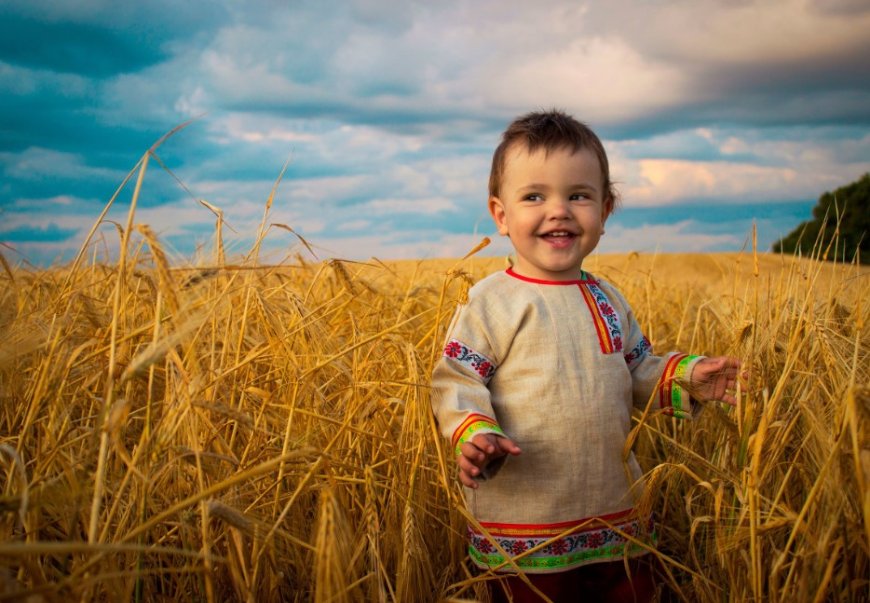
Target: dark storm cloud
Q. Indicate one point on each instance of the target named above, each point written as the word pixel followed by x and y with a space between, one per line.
pixel 132 34
pixel 81 48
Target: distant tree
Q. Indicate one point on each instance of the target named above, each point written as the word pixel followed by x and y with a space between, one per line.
pixel 853 204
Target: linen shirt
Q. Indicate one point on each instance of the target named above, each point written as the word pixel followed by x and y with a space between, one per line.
pixel 557 366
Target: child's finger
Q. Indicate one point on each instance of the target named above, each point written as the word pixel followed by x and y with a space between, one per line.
pixel 468 467
pixel 485 442
pixel 472 453
pixel 508 446
pixel 729 399
pixel 467 480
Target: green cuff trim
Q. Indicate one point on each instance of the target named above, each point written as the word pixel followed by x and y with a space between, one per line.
pixel 471 426
pixel 681 400
pixel 675 398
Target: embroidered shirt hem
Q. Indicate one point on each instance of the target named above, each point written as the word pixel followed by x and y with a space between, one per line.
pixel 543 548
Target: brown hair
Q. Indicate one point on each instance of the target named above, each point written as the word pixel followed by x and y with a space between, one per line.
pixel 550 130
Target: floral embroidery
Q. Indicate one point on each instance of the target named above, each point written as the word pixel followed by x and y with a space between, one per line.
pixel 609 314
pixel 453 349
pixel 572 550
pixel 517 547
pixel 485 546
pixel 479 363
pixel 606 320
pixel 558 547
pixel 633 358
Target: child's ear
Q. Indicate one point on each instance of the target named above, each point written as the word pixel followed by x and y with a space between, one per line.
pixel 607 209
pixel 496 210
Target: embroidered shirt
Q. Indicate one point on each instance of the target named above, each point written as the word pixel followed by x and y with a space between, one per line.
pixel 556 366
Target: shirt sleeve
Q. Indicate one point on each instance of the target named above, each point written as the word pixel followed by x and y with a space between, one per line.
pixel 460 397
pixel 664 379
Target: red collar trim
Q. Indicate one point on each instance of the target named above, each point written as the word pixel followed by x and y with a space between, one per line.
pixel 587 279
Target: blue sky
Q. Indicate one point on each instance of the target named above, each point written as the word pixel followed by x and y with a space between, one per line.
pixel 715 114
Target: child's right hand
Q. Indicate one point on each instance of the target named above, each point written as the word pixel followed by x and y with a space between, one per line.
pixel 480 451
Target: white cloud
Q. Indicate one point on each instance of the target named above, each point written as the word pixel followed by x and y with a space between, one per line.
pixel 680 237
pixel 398 247
pixel 424 206
pixel 601 79
pixel 17 219
pixel 192 103
pixel 748 169
pixel 354 225
pixel 35 163
pixel 663 180
pixel 64 201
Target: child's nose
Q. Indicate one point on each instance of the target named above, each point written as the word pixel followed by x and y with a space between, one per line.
pixel 558 208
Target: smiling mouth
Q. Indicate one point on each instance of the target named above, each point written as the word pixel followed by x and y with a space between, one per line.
pixel 561 234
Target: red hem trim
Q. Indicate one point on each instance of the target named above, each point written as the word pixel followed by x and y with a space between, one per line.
pixel 560 525
pixel 537 281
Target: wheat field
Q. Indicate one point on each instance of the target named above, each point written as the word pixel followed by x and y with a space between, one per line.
pixel 247 432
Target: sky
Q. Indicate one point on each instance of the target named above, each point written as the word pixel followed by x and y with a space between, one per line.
pixel 716 115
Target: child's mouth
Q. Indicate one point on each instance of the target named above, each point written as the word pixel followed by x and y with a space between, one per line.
pixel 559 238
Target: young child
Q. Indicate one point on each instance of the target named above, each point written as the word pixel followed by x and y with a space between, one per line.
pixel 539 375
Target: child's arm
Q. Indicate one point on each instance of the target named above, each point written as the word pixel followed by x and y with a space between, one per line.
pixel 461 399
pixel 715 379
pixel 674 382
pixel 478 452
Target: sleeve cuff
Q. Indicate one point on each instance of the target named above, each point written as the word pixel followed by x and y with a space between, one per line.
pixel 674 397
pixel 471 426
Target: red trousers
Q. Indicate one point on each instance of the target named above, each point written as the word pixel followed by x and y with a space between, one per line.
pixel 605 582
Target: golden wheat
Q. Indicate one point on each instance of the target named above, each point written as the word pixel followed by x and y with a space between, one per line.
pixel 263 433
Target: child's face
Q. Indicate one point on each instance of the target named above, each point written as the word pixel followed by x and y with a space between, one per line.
pixel 553 209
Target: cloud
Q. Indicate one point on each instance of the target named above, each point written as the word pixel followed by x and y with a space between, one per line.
pixel 621 75
pixel 99 38
pixel 841 7
pixel 354 226
pixel 738 165
pixel 782 62
pixel 389 114
pixel 387 247
pixel 790 34
pixel 38 234
pixel 80 48
pixel 679 180
pixel 425 206
pixel 38 163
pixel 679 237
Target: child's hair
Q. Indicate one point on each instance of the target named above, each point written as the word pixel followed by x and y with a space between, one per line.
pixel 550 130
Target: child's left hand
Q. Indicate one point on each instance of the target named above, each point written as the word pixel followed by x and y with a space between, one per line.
pixel 715 379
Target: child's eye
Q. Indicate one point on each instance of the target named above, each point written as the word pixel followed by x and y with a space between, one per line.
pixel 533 197
pixel 579 196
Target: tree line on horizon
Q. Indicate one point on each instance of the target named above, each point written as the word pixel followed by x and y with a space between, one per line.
pixel 840 227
